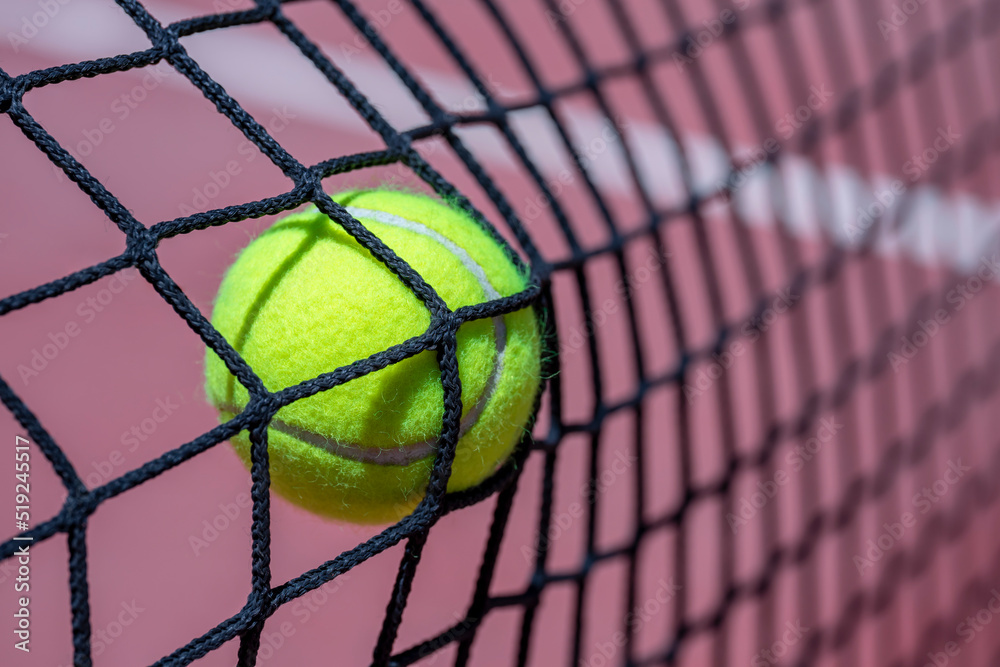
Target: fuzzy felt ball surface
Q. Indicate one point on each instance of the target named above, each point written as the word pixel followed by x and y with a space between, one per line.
pixel 305 298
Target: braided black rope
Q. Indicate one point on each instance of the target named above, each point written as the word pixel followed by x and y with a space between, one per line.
pixel 860 96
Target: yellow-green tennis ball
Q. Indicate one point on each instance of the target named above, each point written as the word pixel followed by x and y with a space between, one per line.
pixel 305 298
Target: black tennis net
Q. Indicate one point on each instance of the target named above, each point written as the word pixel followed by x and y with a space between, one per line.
pixel 793 252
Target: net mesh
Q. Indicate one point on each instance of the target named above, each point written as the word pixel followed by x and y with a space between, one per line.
pixel 759 317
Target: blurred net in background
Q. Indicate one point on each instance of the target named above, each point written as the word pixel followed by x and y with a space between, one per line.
pixel 765 233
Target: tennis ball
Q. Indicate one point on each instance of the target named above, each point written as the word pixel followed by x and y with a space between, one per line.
pixel 305 298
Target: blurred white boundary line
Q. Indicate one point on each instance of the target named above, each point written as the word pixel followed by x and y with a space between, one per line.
pixel 956 229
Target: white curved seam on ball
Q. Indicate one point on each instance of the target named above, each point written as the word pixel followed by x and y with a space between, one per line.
pixel 410 453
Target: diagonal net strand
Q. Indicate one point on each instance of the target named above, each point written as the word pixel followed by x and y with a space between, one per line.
pixel 911 427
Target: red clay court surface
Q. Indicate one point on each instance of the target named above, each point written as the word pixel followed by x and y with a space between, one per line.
pixel 170 559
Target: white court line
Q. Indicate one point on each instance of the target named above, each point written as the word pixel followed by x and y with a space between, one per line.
pixel 958 229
